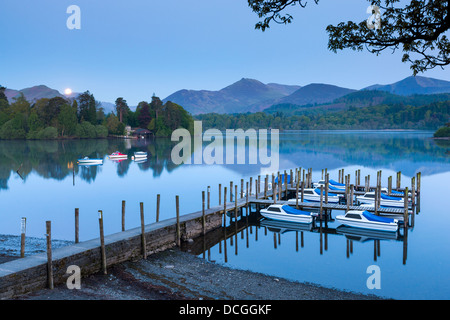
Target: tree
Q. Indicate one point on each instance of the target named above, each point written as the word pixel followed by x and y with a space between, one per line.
pixel 418 28
pixel 67 120
pixel 122 109
pixel 144 117
pixel 87 108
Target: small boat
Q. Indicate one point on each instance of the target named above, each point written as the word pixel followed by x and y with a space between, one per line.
pixel 139 155
pixel 286 213
pixel 313 195
pixel 288 178
pixel 367 220
pixel 88 161
pixel 332 185
pixel 385 200
pixel 117 155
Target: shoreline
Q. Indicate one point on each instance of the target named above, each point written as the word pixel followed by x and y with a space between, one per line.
pixel 176 275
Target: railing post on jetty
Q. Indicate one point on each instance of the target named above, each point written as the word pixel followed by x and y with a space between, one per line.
pixel 376 201
pixel 23 227
pixel 48 226
pixel 352 187
pixel 413 192
pixel 327 180
pixel 389 185
pixel 143 242
pixel 102 241
pixel 419 176
pixel 231 191
pixel 399 179
pixel 177 202
pixel 266 186
pixel 251 184
pixel 321 201
pixel 208 204
pixel 246 197
pixel 235 205
pixel 296 194
pixel 242 188
pixel 220 194
pixel 303 191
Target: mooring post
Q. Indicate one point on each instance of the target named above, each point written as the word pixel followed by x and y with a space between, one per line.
pixel 246 197
pixel 208 204
pixel 102 241
pixel 352 187
pixel 265 186
pixel 77 225
pixel 220 194
pixel 242 188
pixel 231 191
pixel 399 180
pixel 274 191
pixel 203 213
pixel 413 192
pixel 225 209
pixel 143 241
pixel 376 201
pixel 296 194
pixel 251 185
pixel 23 227
pixel 158 203
pixel 177 201
pixel 303 189
pixel 389 185
pixel 48 225
pixel 405 199
pixel 123 215
pixel 321 201
pixel 419 176
pixel 235 205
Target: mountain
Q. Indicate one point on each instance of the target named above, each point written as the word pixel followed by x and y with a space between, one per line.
pixel 315 93
pixel 245 95
pixel 34 93
pixel 414 85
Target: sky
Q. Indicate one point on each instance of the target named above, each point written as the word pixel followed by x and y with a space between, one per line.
pixel 136 48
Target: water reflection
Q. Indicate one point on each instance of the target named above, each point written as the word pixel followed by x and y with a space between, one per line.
pixel 253 223
pixel 327 149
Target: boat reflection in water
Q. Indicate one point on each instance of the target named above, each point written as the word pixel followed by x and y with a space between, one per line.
pixel 248 227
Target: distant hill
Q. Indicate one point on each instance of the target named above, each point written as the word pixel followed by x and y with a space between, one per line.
pixel 359 99
pixel 414 85
pixel 315 93
pixel 33 94
pixel 245 95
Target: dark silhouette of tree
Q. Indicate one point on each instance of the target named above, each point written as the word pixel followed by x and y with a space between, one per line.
pixel 418 28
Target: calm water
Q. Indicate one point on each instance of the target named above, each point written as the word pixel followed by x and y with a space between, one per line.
pixel 41 181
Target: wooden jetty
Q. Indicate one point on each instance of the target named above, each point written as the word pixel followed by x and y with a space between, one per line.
pixel 96 255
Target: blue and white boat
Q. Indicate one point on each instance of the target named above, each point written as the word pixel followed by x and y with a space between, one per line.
pixel 385 200
pixel 332 185
pixel 367 220
pixel 286 213
pixel 89 161
pixel 313 195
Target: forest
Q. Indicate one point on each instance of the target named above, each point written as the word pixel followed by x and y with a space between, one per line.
pixel 396 116
pixel 84 117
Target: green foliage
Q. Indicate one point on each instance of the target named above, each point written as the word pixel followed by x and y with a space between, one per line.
pixel 47 133
pixel 443 132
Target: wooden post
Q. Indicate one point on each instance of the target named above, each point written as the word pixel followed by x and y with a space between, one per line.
pixel 303 189
pixel 242 188
pixel 266 186
pixel 231 191
pixel 296 194
pixel 143 242
pixel 274 193
pixel 376 201
pixel 235 205
pixel 292 178
pixel 251 183
pixel 48 225
pixel 419 176
pixel 77 225
pixel 321 201
pixel 225 210
pixel 405 219
pixel 413 192
pixel 389 185
pixel 256 187
pixel 246 196
pixel 158 202
pixel 177 202
pixel 123 215
pixel 102 241
pixel 399 180
pixel 203 213
pixel 208 204
pixel 352 187
pixel 23 227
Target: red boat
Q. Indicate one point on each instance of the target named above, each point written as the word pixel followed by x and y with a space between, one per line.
pixel 117 155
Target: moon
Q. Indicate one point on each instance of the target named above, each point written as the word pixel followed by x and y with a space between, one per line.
pixel 68 92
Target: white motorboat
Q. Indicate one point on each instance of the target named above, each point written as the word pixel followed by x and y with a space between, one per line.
pixel 367 220
pixel 139 156
pixel 314 196
pixel 385 200
pixel 332 185
pixel 286 213
pixel 88 161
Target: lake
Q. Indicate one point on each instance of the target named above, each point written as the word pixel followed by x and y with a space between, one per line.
pixel 40 180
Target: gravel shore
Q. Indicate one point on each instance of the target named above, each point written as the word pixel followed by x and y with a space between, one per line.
pixel 177 275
